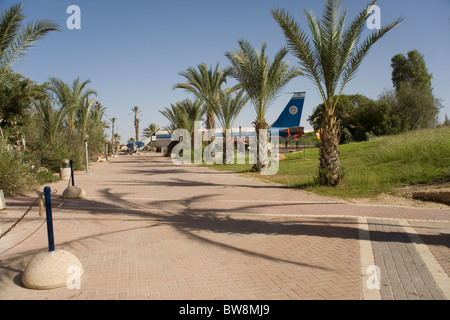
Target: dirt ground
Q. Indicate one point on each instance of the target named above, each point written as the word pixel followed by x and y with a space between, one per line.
pixel 404 197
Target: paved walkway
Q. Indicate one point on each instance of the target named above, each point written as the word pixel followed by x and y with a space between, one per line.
pixel 151 230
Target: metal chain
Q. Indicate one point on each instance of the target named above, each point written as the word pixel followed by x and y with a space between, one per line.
pixel 21 218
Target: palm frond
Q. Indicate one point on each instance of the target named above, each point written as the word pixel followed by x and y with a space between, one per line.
pixel 10 26
pixel 261 77
pixel 331 57
pixel 205 83
pixel 24 40
pixel 73 98
pixel 230 105
pixel 299 44
pixel 359 54
pixel 52 119
pixel 85 112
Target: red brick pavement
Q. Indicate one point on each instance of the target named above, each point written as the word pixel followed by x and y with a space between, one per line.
pixel 151 230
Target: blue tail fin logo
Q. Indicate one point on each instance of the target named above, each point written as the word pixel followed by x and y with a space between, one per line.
pixel 292 113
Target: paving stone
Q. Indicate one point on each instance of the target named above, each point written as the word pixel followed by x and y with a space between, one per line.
pixel 150 230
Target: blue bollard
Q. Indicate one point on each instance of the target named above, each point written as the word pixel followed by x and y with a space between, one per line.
pixel 48 211
pixel 71 172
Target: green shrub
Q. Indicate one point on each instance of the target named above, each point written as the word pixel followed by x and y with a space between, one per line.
pixel 15 177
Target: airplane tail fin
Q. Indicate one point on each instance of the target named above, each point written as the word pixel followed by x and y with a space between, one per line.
pixel 292 113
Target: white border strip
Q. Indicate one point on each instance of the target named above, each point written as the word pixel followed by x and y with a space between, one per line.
pixel 366 260
pixel 440 277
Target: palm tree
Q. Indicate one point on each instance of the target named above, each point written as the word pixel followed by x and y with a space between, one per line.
pixel 136 112
pixel 98 111
pixel 194 111
pixel 84 114
pixel 116 142
pixel 60 93
pixel 170 128
pixel 19 93
pixel 113 122
pixel 330 60
pixel 227 110
pixel 74 97
pixel 16 40
pixel 205 84
pixel 52 119
pixel 150 130
pixel 262 79
pixel 183 115
pixel 175 116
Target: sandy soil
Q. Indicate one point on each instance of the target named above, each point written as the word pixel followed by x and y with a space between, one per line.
pixel 404 197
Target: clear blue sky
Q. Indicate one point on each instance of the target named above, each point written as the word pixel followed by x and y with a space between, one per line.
pixel 133 51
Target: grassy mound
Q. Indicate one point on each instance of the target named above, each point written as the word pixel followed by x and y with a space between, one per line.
pixel 371 167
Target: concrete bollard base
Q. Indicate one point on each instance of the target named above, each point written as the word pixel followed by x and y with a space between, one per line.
pixel 2 200
pixel 53 269
pixel 74 192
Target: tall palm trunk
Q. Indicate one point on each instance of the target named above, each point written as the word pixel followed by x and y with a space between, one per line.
pixel 136 127
pixel 112 134
pixel 227 156
pixel 210 120
pixel 261 146
pixel 330 173
pixel 211 125
pixel 224 147
pixel 136 112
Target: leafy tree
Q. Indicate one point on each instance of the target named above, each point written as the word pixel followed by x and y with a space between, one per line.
pixel 410 70
pixel 414 102
pixel 416 107
pixel 374 118
pixel 262 79
pixel 17 94
pixel 345 106
pixel 446 122
pixel 330 59
pixel 360 116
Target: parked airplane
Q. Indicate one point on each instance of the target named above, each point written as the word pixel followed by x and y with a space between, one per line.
pixel 286 126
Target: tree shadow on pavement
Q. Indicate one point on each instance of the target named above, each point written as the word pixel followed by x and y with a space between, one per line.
pixel 187 218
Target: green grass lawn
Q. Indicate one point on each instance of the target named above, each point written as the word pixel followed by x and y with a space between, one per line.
pixel 370 168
